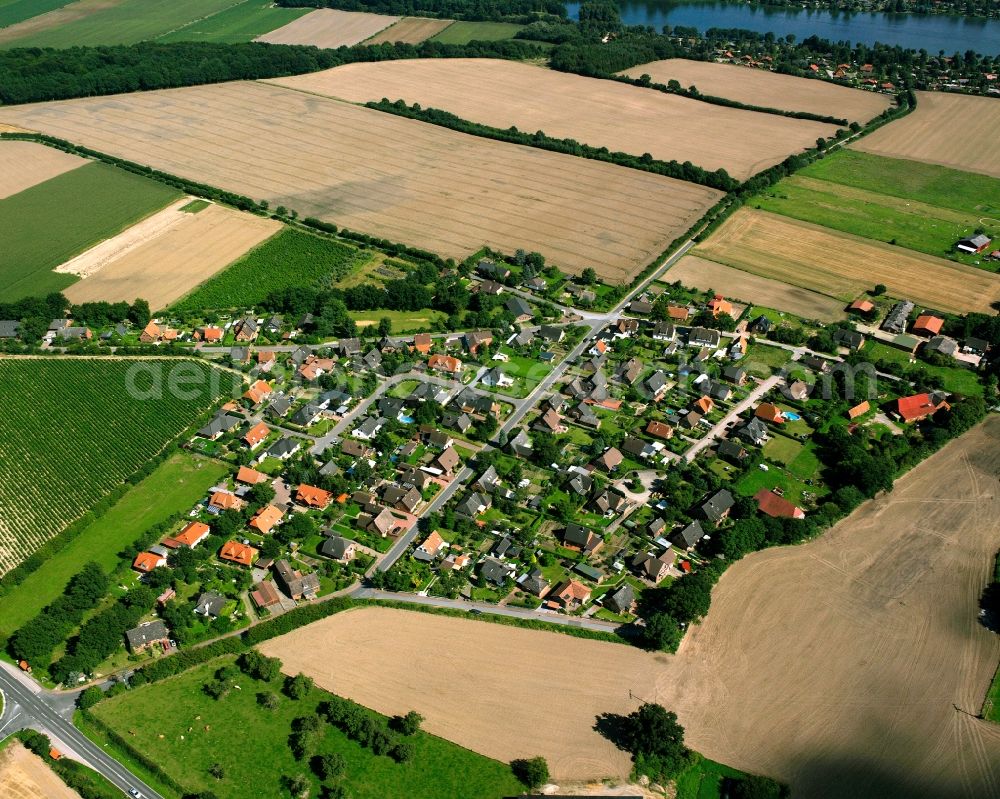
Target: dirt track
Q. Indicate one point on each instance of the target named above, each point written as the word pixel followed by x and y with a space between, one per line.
pixel 767 89
pixel 328 28
pixel 955 130
pixel 601 113
pixel 24 164
pixel 835 666
pixel 23 775
pixel 407 181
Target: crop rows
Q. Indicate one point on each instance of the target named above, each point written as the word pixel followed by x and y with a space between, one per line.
pixel 72 430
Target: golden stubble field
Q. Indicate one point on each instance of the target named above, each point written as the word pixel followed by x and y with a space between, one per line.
pixel 767 89
pixel 166 255
pixel 954 130
pixel 328 28
pixel 703 274
pixel 24 775
pixel 24 164
pixel 411 30
pixel 601 113
pixel 843 266
pixel 396 178
pixel 851 666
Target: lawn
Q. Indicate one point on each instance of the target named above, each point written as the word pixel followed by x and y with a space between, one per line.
pixel 764 361
pixel 291 259
pixel 240 23
pixel 198 732
pixel 755 480
pixel 173 488
pixel 48 224
pixel 955 378
pixel 14 11
pixel 74 430
pixel 782 450
pixel 465 32
pixel 124 22
pixel 703 780
pixel 922 207
pixel 402 321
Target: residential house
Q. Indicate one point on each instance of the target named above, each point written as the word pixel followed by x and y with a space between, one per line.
pixel 678 313
pixel 732 451
pixel 224 500
pixel 703 337
pixel 473 505
pixel 536 284
pixel 210 604
pixel 349 347
pixel 610 459
pixel 405 499
pixel 520 309
pixel 490 288
pixel 278 407
pixel 720 305
pixel 895 320
pixel 718 506
pixel 551 334
pixel 448 460
pixel 422 343
pixel 312 497
pixel 283 449
pixel 521 444
pixel 240 554
pixel 430 547
pixel 691 420
pixel 927 325
pixel 239 355
pixel 293 582
pixel 660 430
pixel 9 328
pixel 850 339
pixel 735 374
pixel 640 307
pixel 192 535
pixel 689 537
pixel 266 518
pixel 494 571
pixel 492 269
pixel 653 568
pixel 258 392
pixel 772 504
pixel 585 416
pixel 535 583
pixel 495 378
pixel 75 333
pixel 461 422
pixel 798 390
pixel 339 548
pixel 859 410
pixel 627 327
pixel 265 595
pixel 663 331
pixel 638 448
pixel 368 428
pixel 862 306
pixel 307 415
pixel 383 523
pixel 816 363
pixel 581 539
pixel 704 405
pixel 942 345
pixel 570 595
pixel 475 339
pixel 608 502
pixel 488 481
pixel 256 435
pixel 621 601
pixel 141 638
pixel 151 333
pixel 550 422
pixel 762 324
pixel 246 330
pixel 754 431
pixel 354 449
pixel 656 385
pixel 145 562
pixel 373 360
pixel 444 363
pixel 769 412
pixel 920 406
pixel 219 425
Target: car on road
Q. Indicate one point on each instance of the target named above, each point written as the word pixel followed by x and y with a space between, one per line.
pixel 475 612
pixel 135 793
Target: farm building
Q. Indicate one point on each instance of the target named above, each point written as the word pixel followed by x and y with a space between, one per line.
pixel 974 244
pixel 920 406
pixel 927 325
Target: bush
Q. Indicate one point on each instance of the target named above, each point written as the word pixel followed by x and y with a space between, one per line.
pixel 533 772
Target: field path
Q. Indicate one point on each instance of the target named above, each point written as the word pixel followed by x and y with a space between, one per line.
pixel 851 666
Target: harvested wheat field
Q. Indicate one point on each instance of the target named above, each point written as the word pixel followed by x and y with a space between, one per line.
pixel 464 676
pixel 24 775
pixel 397 178
pixel 166 255
pixel 767 89
pixel 853 666
pixel 953 130
pixel 703 274
pixel 411 30
pixel 24 164
pixel 327 28
pixel 592 111
pixel 842 266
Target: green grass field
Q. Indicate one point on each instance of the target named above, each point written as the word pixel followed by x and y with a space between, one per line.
pixel 703 780
pixel 14 11
pixel 74 429
pixel 48 224
pixel 465 32
pixel 240 23
pixel 290 259
pixel 198 732
pixel 174 487
pixel 782 450
pixel 991 707
pixel 955 378
pixel 402 321
pixel 918 206
pixel 125 22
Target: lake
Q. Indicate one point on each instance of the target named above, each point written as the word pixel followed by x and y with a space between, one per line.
pixel 932 32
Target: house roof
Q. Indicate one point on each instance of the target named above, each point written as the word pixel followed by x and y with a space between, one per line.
pixel 918 406
pixel 572 590
pixel 257 433
pixel 864 306
pixel 611 458
pixel 147 561
pixel 717 505
pixel 226 500
pixel 337 547
pixel 193 534
pixel 312 496
pixel 448 459
pixel 622 599
pixel 928 323
pixel 239 553
pixel 266 518
pixel 771 504
pixel 210 603
pixel 768 412
pixel 250 476
pixel 446 363
pixel 147 633
pixel 859 410
pixel 659 429
pixel 690 535
pixel 432 544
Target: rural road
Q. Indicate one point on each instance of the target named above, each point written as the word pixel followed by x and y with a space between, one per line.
pixel 27 705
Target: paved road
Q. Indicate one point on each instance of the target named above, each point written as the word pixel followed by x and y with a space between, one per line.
pixel 487 607
pixel 27 705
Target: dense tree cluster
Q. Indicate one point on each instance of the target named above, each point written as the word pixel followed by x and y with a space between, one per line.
pixel 653 736
pixel 75 775
pixel 36 639
pixel 361 725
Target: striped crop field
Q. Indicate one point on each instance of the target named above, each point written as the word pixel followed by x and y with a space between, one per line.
pixel 74 429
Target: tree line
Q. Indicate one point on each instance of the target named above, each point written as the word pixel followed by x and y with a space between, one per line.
pixel 478 10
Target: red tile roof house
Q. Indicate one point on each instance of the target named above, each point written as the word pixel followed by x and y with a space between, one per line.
pixel 145 562
pixel 919 406
pixel 571 595
pixel 312 497
pixel 192 535
pixel 769 413
pixel 927 325
pixel 771 504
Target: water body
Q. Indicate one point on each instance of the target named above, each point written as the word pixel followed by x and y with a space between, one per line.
pixel 932 32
